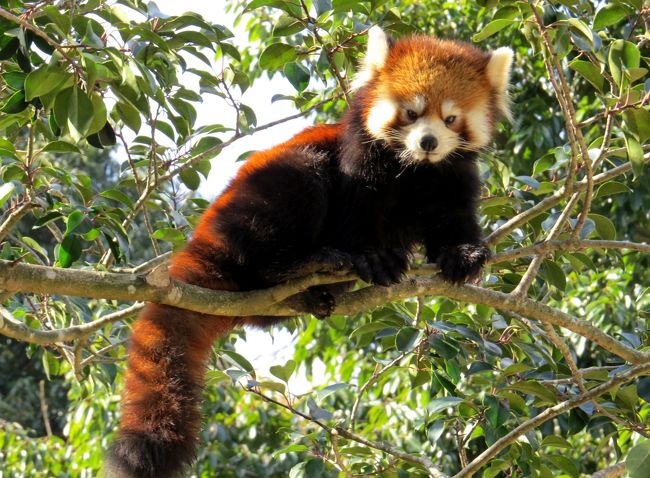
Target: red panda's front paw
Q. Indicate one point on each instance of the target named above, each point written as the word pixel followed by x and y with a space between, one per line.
pixel 460 263
pixel 381 267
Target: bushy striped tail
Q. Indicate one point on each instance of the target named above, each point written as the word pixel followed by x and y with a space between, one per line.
pixel 161 415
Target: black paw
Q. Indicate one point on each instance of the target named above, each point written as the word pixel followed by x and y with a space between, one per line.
pixel 382 267
pixel 319 302
pixel 333 260
pixel 460 263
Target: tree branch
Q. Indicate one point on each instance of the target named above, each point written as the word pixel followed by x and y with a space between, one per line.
pixel 613 471
pixel 548 414
pixel 568 245
pixel 423 461
pixel 14 217
pixel 156 287
pixel 28 26
pixel 554 199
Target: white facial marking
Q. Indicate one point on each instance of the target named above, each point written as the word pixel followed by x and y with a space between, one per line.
pixel 478 126
pixel 448 108
pixel 417 104
pixel 380 116
pixel 498 72
pixel 375 58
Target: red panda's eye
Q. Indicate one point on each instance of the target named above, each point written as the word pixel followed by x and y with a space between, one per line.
pixel 449 120
pixel 412 115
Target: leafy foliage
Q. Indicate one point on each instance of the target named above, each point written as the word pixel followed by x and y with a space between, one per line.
pixel 432 377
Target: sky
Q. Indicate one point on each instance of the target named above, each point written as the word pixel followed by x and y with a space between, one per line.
pixel 261 348
pixel 258 97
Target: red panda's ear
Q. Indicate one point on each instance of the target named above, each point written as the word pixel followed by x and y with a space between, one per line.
pixel 379 44
pixel 498 73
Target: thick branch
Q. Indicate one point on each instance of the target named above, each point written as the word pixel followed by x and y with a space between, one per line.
pixel 352 302
pixel 158 288
pixel 613 471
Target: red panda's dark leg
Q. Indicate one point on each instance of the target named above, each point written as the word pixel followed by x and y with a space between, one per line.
pixel 456 246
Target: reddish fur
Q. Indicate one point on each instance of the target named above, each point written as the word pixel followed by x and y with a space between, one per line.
pixel 329 188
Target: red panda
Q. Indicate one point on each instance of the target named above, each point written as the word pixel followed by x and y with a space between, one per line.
pixel 397 170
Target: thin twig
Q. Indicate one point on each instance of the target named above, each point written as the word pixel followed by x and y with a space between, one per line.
pixel 28 26
pixel 548 414
pixel 44 412
pixel 423 461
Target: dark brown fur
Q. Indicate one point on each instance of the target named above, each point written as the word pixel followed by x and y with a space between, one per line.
pixel 331 194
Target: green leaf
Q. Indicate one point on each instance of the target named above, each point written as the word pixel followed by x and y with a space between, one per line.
pixel 60 147
pixel 69 250
pixel 297 75
pixel 622 55
pixel 6 190
pixel 554 274
pixel 582 34
pixel 207 143
pixel 590 72
pixel 214 377
pixel 643 388
pixel 638 122
pixel 496 414
pixel 542 164
pixel 285 371
pixel 99 113
pixel 491 28
pixel 634 154
pixel 565 464
pixel 604 227
pixel 73 112
pixel 107 135
pixel 190 178
pixel 238 360
pixel 535 388
pixel 330 389
pixel 406 338
pixel 315 468
pixel 295 447
pixel 47 218
pixel 345 6
pixel 438 404
pixel 117 195
pixel 169 234
pixel 15 79
pixel 9 49
pixel 611 188
pixel 369 328
pixel 129 114
pixel 276 56
pixel 609 14
pixel 15 103
pixel 556 441
pixel 43 80
pixel 74 219
pixel 34 245
pixel 287 25
pixel 637 462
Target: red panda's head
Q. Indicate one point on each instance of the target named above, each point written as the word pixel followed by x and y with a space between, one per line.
pixel 428 97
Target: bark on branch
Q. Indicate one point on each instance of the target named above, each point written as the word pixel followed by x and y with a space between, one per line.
pixel 156 286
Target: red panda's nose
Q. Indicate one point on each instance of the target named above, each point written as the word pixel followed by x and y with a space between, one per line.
pixel 429 143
